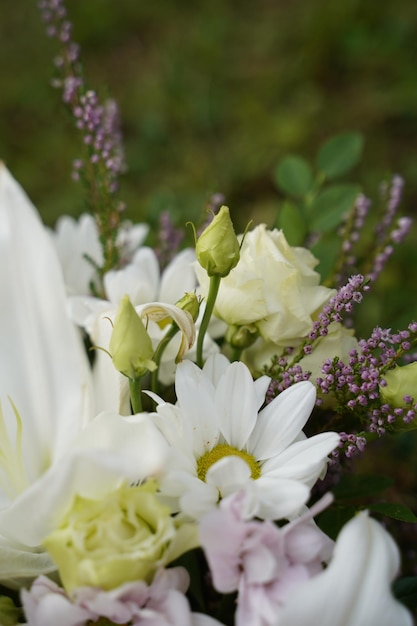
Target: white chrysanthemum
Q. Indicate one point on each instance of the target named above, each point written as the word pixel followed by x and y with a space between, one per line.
pixel 221 444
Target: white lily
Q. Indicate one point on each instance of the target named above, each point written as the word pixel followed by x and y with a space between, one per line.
pixel 355 589
pixel 50 448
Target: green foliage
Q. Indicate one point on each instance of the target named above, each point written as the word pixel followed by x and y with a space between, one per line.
pixel 340 154
pixel 394 510
pixel 292 223
pixel 314 207
pixel 361 485
pixel 331 205
pixel 405 589
pixel 294 175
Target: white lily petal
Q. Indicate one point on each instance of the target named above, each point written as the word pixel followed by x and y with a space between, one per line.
pixel 18 564
pixel 237 403
pixel 274 431
pixel 355 589
pixel 74 239
pixel 109 450
pixel 43 368
pixel 178 277
pixel 111 389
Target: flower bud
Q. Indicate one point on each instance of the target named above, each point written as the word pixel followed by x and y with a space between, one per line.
pixel 190 303
pixel 130 345
pixel 242 337
pixel 217 248
pixel 400 381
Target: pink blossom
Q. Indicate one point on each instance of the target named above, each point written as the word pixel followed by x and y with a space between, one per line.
pixel 260 561
pixel 162 603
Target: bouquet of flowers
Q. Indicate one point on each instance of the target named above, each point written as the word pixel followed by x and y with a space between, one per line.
pixel 177 426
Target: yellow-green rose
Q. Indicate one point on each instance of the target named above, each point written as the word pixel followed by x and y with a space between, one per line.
pixel 123 537
pixel 400 381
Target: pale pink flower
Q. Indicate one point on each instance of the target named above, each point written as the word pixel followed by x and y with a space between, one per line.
pixel 162 603
pixel 259 560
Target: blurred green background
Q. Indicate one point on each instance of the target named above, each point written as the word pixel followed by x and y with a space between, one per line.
pixel 212 95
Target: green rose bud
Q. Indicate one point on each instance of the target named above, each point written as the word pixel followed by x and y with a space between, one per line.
pixel 401 381
pixel 217 248
pixel 123 537
pixel 130 345
pixel 242 337
pixel 190 303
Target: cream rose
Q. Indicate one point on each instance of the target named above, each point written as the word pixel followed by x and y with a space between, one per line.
pixel 339 342
pixel 123 537
pixel 274 287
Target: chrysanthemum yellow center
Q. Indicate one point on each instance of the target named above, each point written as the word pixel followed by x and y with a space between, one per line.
pixel 221 450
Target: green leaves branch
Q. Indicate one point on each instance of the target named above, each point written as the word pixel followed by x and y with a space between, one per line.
pixel 316 205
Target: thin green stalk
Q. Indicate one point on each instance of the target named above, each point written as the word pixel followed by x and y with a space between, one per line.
pixel 135 389
pixel 211 300
pixel 157 355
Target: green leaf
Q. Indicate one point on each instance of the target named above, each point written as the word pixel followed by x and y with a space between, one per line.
pixel 326 250
pixel 339 154
pixel 331 205
pixel 358 486
pixel 294 176
pixel 332 520
pixel 291 222
pixel 394 510
pixel 405 590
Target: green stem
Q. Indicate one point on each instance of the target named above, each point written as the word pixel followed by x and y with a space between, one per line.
pixel 211 299
pixel 236 354
pixel 157 356
pixel 135 390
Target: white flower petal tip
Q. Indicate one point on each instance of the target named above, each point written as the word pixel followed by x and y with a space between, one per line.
pixel 355 589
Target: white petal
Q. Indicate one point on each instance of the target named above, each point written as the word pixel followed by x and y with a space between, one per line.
pixel 178 277
pixel 111 449
pixel 261 387
pixel 303 460
pixel 355 589
pixel 215 367
pixel 43 368
pixel 236 405
pixel 281 420
pixel 18 563
pixel 195 395
pixel 280 497
pixel 228 475
pixel 131 280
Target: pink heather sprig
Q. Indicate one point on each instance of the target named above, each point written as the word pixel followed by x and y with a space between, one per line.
pixel 350 445
pixel 100 128
pixel 169 239
pixel 286 370
pixel 284 375
pixel 391 195
pixel 389 231
pixel 343 302
pixel 351 233
pixel 356 385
